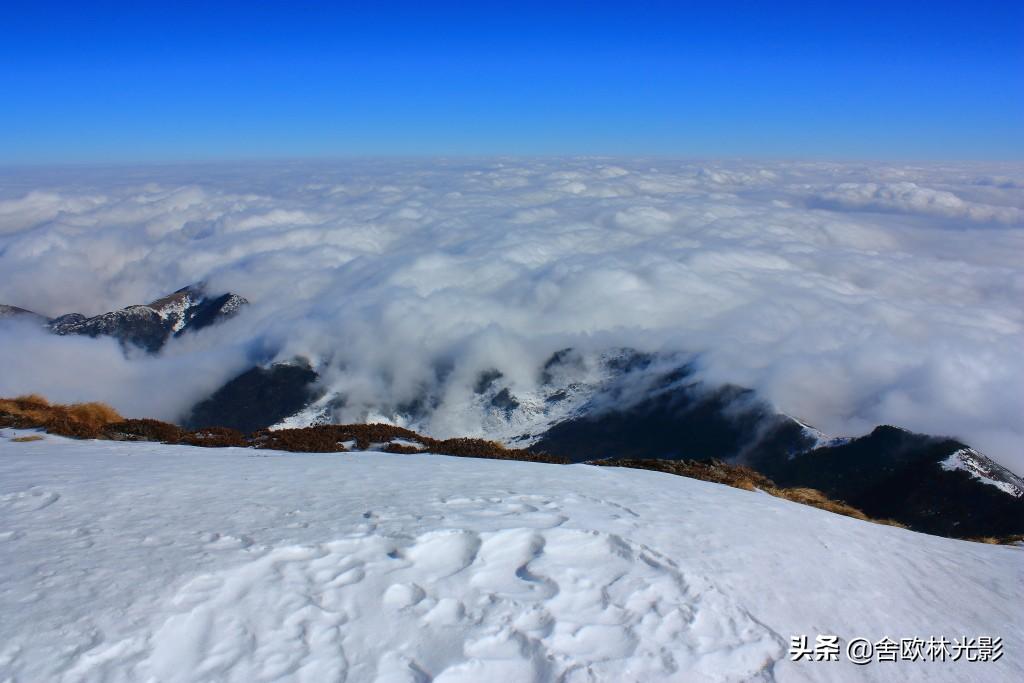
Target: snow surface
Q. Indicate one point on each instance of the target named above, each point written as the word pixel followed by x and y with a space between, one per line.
pixel 132 561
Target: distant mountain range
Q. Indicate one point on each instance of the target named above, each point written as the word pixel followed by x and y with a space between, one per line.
pixel 147 326
pixel 627 405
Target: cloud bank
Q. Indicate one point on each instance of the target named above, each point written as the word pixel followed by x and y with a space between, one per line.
pixel 848 294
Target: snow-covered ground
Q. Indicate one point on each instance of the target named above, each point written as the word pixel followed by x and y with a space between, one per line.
pixel 144 562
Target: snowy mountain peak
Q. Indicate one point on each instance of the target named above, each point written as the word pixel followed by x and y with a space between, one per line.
pixel 983 469
pixel 146 326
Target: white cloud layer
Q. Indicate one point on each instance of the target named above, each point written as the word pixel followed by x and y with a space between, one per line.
pixel 849 295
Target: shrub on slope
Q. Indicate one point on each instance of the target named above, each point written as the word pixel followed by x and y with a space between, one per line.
pixel 143 430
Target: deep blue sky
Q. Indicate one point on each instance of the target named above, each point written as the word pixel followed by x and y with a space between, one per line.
pixel 99 81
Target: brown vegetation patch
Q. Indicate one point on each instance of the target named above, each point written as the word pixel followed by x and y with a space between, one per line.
pixel 742 477
pixel 402 449
pixel 331 439
pixel 1014 539
pixel 27 439
pixel 737 476
pixel 481 448
pixel 318 439
pixel 78 420
pixel 99 421
pixel 143 430
pixel 816 498
pixel 215 437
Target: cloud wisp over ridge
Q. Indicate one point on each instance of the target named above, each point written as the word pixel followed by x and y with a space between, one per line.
pixel 847 294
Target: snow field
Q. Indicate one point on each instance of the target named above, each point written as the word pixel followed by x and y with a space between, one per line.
pixel 127 562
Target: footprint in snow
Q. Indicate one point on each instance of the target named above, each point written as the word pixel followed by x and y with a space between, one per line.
pixel 473 603
pixel 29 500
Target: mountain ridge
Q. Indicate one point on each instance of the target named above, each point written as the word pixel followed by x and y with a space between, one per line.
pixel 146 326
pixel 620 404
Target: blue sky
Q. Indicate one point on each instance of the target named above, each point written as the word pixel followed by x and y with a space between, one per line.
pixel 100 81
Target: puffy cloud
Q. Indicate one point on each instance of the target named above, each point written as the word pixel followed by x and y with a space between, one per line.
pixel 908 197
pixel 37 207
pixel 848 294
pixel 72 369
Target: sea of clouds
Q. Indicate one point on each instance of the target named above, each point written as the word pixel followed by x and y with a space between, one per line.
pixel 848 294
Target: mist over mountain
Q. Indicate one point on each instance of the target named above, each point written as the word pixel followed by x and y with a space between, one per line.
pixel 846 295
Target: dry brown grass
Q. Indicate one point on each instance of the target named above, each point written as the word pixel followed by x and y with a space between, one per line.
pixel 737 476
pixel 27 439
pixel 816 498
pixel 742 477
pixel 78 420
pixel 1014 539
pixel 100 421
pixel 481 448
pixel 31 399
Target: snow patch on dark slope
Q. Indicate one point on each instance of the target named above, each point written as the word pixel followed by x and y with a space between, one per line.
pixel 984 470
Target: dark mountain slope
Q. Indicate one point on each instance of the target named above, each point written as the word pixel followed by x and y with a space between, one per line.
pixel 257 398
pixel 688 423
pixel 893 473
